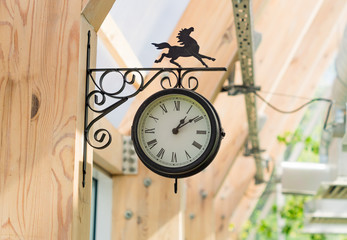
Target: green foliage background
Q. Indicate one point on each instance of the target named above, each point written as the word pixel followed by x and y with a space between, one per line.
pixel 293 211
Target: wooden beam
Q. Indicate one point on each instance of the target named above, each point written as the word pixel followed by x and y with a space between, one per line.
pixel 228 198
pixel 116 44
pixel 244 209
pixel 155 210
pixel 119 48
pixel 81 196
pixel 95 12
pixel 305 69
pixel 41 88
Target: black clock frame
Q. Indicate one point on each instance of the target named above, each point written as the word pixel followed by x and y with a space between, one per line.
pixel 204 160
pixel 173 77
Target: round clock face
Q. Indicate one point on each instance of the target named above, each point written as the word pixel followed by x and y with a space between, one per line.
pixel 176 132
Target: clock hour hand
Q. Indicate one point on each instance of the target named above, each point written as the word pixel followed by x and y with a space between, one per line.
pixel 175 130
pixel 189 121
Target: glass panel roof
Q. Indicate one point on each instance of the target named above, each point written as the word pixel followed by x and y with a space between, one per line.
pixel 144 22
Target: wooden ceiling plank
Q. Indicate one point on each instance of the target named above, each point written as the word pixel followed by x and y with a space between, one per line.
pixel 305 69
pixel 268 70
pixel 95 11
pixel 267 26
pixel 294 44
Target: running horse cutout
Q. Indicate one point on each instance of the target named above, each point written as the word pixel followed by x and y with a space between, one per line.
pixel 189 48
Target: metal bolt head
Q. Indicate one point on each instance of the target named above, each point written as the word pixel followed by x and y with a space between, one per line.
pixel 128 214
pixel 131 152
pixel 203 194
pixel 192 216
pixel 147 182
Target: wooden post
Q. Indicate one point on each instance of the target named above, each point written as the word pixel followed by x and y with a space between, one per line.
pixel 42 79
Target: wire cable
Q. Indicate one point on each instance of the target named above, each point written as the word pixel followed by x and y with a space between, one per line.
pixel 299 108
pixel 284 95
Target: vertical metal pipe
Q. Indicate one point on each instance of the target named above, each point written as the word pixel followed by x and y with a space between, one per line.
pixel 84 170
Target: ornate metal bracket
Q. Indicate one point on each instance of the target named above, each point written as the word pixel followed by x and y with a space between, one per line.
pixel 98 99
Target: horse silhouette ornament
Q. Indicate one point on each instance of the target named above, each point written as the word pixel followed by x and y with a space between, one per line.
pixel 189 48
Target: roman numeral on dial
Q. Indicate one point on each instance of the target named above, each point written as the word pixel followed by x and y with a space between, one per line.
pixel 197 145
pixel 154 118
pixel 149 130
pixel 152 143
pixel 198 119
pixel 189 108
pixel 200 132
pixel 163 107
pixel 177 105
pixel 161 153
pixel 187 155
pixel 174 157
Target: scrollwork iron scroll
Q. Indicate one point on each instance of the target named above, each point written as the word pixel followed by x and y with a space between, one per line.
pixel 97 100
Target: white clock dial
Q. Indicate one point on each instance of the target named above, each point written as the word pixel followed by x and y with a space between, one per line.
pixel 176 133
pixel 174 130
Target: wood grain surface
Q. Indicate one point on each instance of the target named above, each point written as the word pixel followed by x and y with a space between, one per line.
pixel 40 121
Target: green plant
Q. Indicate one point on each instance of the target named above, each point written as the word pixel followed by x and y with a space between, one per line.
pixel 290 139
pixel 311 145
pixel 292 213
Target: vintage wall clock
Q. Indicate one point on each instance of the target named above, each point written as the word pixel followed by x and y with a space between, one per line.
pixel 176 133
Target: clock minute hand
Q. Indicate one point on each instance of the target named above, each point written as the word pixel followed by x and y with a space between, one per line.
pixel 189 121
